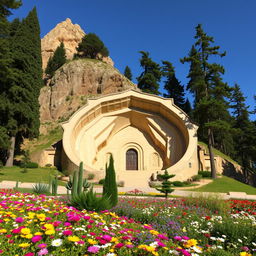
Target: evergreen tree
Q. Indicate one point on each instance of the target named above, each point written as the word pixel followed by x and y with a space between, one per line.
pixel 91 47
pixel 149 79
pixel 166 184
pixel 172 86
pixel 6 5
pixel 22 115
pixel 128 73
pixel 56 61
pixel 246 132
pixel 187 107
pixel 210 92
pixel 110 186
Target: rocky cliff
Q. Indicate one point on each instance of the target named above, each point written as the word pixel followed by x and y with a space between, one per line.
pixel 74 82
pixel 68 33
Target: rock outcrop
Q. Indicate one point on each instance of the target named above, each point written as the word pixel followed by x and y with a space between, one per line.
pixel 68 33
pixel 74 82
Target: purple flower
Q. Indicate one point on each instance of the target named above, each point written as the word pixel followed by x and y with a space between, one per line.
pixel 93 249
pixel 178 238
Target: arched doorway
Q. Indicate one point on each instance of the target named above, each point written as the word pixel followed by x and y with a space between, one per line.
pixel 131 159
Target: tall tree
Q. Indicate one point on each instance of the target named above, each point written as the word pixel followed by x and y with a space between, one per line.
pixel 246 132
pixel 150 78
pixel 172 85
pixel 56 61
pixel 92 47
pixel 128 73
pixel 210 92
pixel 6 72
pixel 23 90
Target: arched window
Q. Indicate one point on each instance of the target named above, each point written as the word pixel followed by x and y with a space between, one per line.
pixel 131 159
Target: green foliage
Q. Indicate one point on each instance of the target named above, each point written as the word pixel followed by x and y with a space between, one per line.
pixel 166 185
pixel 101 181
pixel 205 174
pixel 41 188
pixel 150 78
pixel 219 252
pixel 8 4
pixel 91 47
pixel 173 87
pixel 110 186
pixel 54 185
pixel 29 165
pixel 91 176
pixel 177 183
pixel 89 201
pixel 196 177
pixel 128 73
pixel 56 61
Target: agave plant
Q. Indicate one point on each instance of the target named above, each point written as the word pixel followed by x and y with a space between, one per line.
pixel 41 188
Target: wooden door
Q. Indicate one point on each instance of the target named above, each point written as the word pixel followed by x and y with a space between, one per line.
pixel 131 159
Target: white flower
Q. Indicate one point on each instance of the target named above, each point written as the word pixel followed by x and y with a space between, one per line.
pixel 57 242
pixel 239 240
pixel 110 254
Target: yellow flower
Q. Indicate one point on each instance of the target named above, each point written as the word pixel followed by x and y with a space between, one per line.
pixel 154 232
pixel 38 234
pixel 3 230
pixel 91 241
pixel 29 236
pixel 24 245
pixel 48 226
pixel 190 243
pixel 50 232
pixel 41 216
pixel 31 215
pixel 25 231
pixel 73 238
pixel 113 240
pixel 245 254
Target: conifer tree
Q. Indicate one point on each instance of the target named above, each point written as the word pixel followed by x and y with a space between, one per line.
pixel 110 186
pixel 128 73
pixel 187 107
pixel 150 78
pixel 23 90
pixel 172 86
pixel 166 184
pixel 91 47
pixel 56 61
pixel 210 92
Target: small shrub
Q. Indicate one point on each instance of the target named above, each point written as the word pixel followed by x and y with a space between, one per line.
pixel 205 174
pixel 196 177
pixel 186 183
pixel 48 165
pixel 178 183
pixel 41 188
pixel 29 165
pixel 101 181
pixel 91 176
pixel 120 183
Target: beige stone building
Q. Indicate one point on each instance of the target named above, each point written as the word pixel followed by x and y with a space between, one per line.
pixel 145 134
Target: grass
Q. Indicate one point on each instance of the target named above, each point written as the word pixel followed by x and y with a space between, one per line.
pixel 34 175
pixel 218 153
pixel 225 185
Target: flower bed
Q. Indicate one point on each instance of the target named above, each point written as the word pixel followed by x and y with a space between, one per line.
pixel 33 225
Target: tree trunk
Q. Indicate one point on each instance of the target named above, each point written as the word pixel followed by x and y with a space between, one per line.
pixel 213 168
pixel 9 161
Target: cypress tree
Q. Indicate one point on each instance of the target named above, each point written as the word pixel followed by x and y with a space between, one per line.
pixel 56 61
pixel 91 47
pixel 110 186
pixel 211 107
pixel 24 89
pixel 128 73
pixel 150 78
pixel 172 86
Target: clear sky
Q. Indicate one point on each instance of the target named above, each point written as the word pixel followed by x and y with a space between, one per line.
pixel 164 28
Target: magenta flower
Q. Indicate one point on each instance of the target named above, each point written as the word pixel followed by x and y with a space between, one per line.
pixel 178 238
pixel 67 232
pixel 185 238
pixel 19 219
pixel 107 238
pixel 43 251
pixel 29 254
pixel 163 237
pixel 119 245
pixel 35 239
pixel 41 246
pixel 93 249
pixel 161 244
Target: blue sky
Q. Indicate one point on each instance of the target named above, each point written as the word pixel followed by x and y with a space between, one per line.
pixel 164 28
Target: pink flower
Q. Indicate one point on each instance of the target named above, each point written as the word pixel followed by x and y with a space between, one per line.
pixel 161 244
pixel 74 218
pixel 178 238
pixel 19 219
pixel 129 245
pixel 93 249
pixel 41 246
pixel 107 238
pixel 185 238
pixel 119 245
pixel 29 254
pixel 35 239
pixel 43 251
pixel 163 237
pixel 66 224
pixel 67 232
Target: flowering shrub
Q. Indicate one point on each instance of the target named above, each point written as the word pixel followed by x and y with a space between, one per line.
pixel 32 225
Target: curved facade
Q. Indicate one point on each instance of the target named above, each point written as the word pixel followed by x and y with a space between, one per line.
pixel 145 134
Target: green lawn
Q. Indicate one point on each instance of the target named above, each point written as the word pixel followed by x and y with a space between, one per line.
pixel 225 185
pixel 34 175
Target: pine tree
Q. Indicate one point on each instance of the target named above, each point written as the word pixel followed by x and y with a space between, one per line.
pixel 166 184
pixel 210 92
pixel 187 107
pixel 6 5
pixel 128 73
pixel 172 86
pixel 24 89
pixel 110 186
pixel 149 79
pixel 56 61
pixel 91 47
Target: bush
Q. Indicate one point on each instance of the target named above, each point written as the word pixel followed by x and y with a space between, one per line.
pixel 91 176
pixel 48 165
pixel 196 177
pixel 178 183
pixel 29 165
pixel 101 181
pixel 120 183
pixel 205 174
